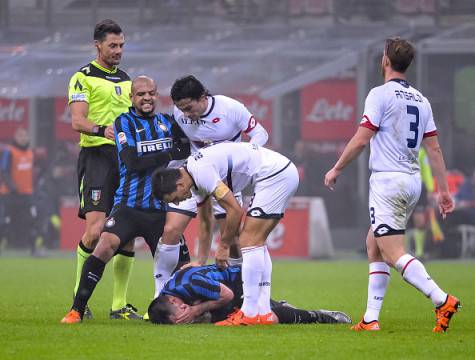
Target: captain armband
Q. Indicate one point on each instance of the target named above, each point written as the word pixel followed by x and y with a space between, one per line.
pixel 220 191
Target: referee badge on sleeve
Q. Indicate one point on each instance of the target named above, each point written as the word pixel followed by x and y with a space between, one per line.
pixel 95 196
pixel 118 90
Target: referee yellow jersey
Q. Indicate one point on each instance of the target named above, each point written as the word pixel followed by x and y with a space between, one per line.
pixel 106 91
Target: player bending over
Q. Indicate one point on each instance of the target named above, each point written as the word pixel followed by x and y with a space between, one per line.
pixel 218 171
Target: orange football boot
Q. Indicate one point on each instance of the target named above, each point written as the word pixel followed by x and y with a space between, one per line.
pixel 363 326
pixel 444 313
pixel 267 319
pixel 72 317
pixel 237 319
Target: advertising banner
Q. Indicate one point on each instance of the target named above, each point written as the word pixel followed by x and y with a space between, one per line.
pixel 63 128
pixel 260 108
pixel 328 110
pixel 13 114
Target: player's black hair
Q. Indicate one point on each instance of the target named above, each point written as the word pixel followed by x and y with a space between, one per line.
pixel 187 87
pixel 164 181
pixel 159 310
pixel 105 27
pixel 400 52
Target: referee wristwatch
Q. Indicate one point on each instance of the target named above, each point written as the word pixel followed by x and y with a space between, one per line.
pixel 99 130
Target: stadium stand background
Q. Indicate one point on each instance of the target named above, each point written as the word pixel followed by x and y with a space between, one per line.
pixel 303 67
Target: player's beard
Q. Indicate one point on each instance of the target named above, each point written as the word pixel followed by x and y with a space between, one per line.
pixel 149 113
pixel 111 60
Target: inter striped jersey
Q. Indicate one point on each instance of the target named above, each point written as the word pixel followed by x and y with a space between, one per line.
pixel 202 283
pixel 148 136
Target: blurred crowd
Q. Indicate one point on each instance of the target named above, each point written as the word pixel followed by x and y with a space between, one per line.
pixel 257 11
pixel 32 183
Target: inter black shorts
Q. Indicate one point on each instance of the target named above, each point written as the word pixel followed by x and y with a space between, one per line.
pixel 98 178
pixel 128 223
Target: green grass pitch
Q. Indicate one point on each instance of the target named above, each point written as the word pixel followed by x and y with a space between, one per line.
pixel 36 293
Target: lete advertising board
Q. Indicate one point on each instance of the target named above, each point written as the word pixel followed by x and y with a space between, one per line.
pixel 328 110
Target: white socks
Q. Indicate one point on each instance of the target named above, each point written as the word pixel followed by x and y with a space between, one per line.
pixel 265 284
pixel 253 268
pixel 415 274
pixel 378 280
pixel 165 261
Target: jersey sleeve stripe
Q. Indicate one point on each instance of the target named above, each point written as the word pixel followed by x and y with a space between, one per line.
pixel 251 124
pixel 366 122
pixel 430 133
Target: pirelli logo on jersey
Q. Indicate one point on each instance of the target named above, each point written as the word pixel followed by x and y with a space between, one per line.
pixel 154 145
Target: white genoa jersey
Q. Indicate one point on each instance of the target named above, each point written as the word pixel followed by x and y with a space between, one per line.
pixel 235 164
pixel 224 120
pixel 401 117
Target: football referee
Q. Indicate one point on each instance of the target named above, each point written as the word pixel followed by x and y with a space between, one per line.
pixel 98 93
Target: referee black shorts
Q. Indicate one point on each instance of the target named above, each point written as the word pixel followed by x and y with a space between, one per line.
pixel 98 178
pixel 128 223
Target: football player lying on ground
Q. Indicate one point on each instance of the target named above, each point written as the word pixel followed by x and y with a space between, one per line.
pixel 205 294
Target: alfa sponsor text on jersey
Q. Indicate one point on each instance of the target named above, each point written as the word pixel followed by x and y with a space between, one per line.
pixel 223 120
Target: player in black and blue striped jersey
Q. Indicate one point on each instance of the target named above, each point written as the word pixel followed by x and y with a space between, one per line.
pixel 210 294
pixel 143 144
pixel 145 141
pixel 203 283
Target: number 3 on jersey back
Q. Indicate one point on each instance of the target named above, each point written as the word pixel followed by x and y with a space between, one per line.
pixel 413 126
